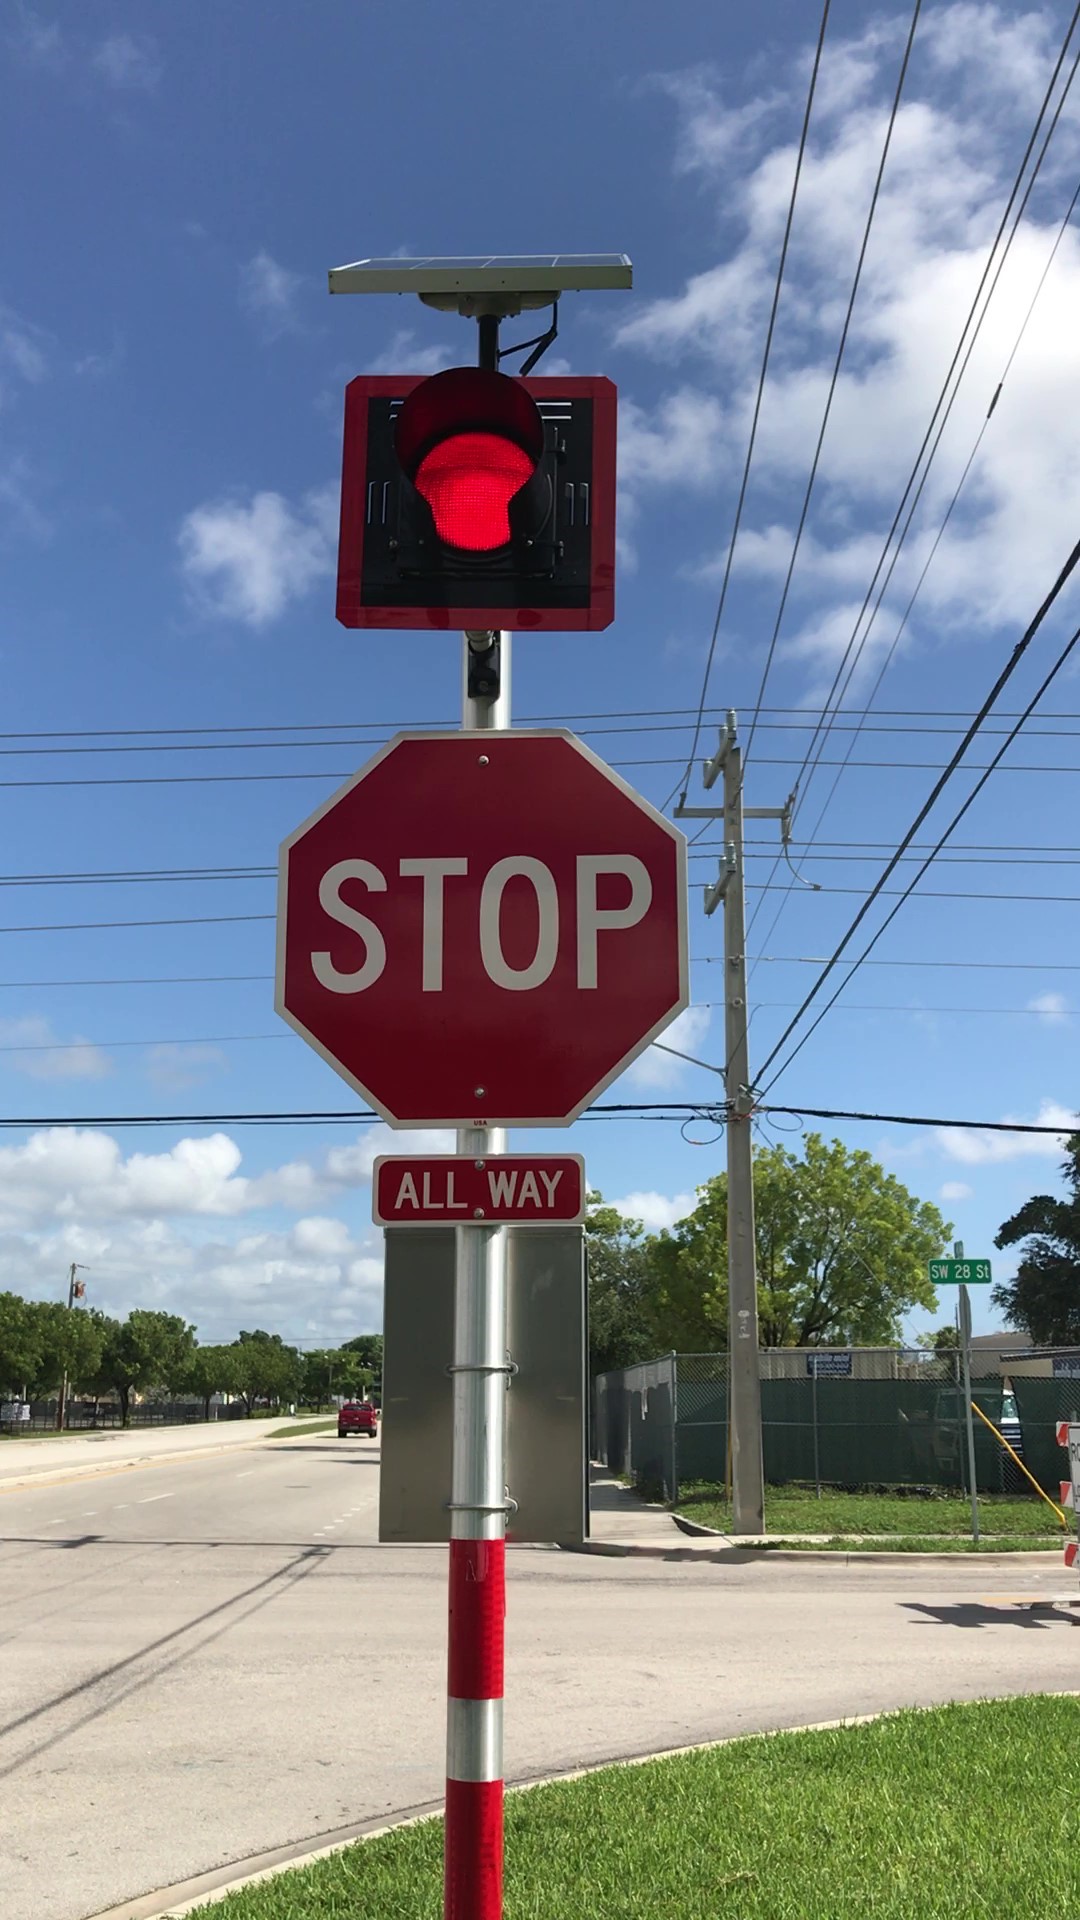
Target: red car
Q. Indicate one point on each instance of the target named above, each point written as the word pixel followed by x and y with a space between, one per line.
pixel 357 1417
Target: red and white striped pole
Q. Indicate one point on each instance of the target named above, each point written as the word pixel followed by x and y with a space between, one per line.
pixel 473 1854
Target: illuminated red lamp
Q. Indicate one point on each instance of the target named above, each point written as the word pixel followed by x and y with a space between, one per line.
pixel 471 499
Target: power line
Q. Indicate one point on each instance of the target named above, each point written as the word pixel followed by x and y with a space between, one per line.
pixel 945 400
pixel 954 822
pixel 918 1120
pixel 744 483
pixel 235 1039
pixel 698 960
pixel 664 1110
pixel 889 656
pixel 840 351
pixel 329 775
pixel 1002 680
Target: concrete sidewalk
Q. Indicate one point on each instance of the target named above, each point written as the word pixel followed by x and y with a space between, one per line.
pixel 73 1456
pixel 624 1526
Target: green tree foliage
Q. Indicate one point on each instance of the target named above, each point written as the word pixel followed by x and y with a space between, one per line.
pixel 940 1340
pixel 842 1252
pixel 368 1349
pixel 209 1370
pixel 72 1342
pixel 621 1328
pixel 146 1350
pixel 20 1343
pixel 1044 1298
pixel 266 1369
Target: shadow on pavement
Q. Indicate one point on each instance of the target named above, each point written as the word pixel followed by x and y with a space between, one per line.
pixel 976 1613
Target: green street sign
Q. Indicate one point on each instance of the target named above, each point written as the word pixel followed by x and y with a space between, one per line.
pixel 960 1273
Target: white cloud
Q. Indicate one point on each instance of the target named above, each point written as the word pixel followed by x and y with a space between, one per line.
pixel 1052 1007
pixel 174 1065
pixel 167 1230
pixel 956 1190
pixel 83 1174
pixel 29 1044
pixel 655 1210
pixel 247 561
pixel 354 1163
pixel 401 355
pixel 949 170
pixel 127 62
pixel 661 1071
pixel 22 347
pixel 310 1280
pixel 268 290
pixel 988 1149
pixel 38 40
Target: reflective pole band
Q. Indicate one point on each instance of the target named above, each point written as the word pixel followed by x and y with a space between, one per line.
pixel 474 1850
pixel 477 1619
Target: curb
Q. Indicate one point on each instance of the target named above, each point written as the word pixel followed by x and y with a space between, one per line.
pixel 757 1556
pixel 208 1889
pixel 58 1476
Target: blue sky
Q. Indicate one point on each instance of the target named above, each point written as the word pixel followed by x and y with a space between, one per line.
pixel 171 374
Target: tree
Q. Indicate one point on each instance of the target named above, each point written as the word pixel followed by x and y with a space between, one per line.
pixel 72 1341
pixel 842 1252
pixel 209 1370
pixel 148 1350
pixel 940 1340
pixel 20 1342
pixel 266 1369
pixel 368 1347
pixel 1043 1300
pixel 620 1325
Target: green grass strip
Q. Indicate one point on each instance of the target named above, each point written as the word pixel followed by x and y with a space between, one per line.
pixel 959 1813
pixel 797 1510
pixel 304 1426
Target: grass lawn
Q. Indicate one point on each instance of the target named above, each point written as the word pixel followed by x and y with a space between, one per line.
pixel 962 1813
pixel 304 1426
pixel 796 1510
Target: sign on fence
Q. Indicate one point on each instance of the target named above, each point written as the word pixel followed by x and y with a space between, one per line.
pixel 821 1365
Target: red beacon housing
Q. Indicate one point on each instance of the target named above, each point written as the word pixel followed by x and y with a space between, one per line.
pixel 472 499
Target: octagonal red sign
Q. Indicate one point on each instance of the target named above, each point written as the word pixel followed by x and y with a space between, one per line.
pixel 482 929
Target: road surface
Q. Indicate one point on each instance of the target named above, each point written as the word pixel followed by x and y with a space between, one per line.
pixel 209 1657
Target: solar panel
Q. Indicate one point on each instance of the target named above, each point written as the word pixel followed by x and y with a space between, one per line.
pixel 550 273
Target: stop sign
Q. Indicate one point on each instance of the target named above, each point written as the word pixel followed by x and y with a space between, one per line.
pixel 482 928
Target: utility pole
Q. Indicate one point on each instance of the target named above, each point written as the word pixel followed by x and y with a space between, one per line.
pixel 744 1377
pixel 964 1328
pixel 76 1288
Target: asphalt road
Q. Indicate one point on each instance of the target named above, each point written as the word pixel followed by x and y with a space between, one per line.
pixel 206 1658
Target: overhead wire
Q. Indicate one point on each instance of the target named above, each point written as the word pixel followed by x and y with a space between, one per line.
pixel 949 770
pixel 942 528
pixel 809 770
pixel 946 399
pixel 831 394
pixel 762 377
pixel 1056 668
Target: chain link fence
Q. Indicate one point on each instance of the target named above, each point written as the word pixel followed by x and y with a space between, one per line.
pixel 853 1416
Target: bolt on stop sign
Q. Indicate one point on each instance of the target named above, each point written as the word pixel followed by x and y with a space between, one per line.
pixel 482 929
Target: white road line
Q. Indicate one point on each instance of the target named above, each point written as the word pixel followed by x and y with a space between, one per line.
pixel 246 1473
pixel 151 1497
pixel 90 1512
pixel 121 1507
pixel 62 1522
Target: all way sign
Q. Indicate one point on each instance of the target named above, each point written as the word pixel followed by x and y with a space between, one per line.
pixel 442 1189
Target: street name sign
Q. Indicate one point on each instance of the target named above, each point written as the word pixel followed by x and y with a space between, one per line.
pixel 446 1189
pixel 482 929
pixel 959 1273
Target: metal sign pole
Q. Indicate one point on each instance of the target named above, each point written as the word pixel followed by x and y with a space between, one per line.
pixel 965 1361
pixel 473 1848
